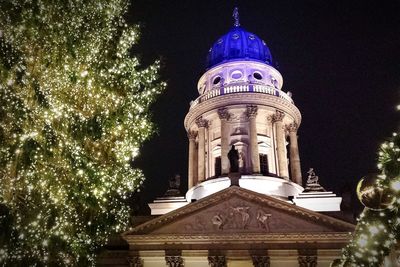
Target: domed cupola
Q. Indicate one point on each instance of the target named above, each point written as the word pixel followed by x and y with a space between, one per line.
pixel 238 44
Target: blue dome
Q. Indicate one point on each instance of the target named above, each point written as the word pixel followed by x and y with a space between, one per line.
pixel 238 44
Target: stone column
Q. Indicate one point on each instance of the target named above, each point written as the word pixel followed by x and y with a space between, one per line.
pixel 295 168
pixel 217 261
pixel 224 117
pixel 254 155
pixel 195 164
pixel 202 124
pixel 192 150
pixel 280 144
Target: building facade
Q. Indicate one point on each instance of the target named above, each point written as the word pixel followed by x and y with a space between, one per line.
pixel 257 215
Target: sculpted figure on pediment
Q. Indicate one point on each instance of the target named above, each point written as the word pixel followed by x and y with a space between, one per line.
pixel 243 213
pixel 218 221
pixel 263 220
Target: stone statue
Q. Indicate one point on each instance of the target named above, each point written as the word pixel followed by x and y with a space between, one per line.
pixel 312 184
pixel 175 182
pixel 312 178
pixel 233 157
pixel 174 185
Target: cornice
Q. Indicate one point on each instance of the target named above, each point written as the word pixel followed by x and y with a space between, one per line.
pixel 241 238
pixel 258 99
pixel 247 194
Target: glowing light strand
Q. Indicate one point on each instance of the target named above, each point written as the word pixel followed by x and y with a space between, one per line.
pixel 74 111
pixel 377 232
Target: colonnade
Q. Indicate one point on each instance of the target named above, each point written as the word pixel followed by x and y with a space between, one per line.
pixel 197 155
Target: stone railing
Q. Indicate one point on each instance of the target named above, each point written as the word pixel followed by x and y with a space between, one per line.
pixel 241 88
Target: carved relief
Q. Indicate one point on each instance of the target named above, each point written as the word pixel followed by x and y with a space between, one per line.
pixel 278 116
pixel 135 261
pixel 307 261
pixel 217 261
pixel 243 212
pixel 224 114
pixel 174 261
pixel 285 219
pixel 261 261
pixel 263 220
pixel 201 122
pixel 218 221
pixel 237 214
pixel 251 111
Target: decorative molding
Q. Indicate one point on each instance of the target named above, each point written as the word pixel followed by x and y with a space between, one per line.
pixel 278 116
pixel 201 122
pixel 307 261
pixel 191 135
pixel 251 111
pixel 217 261
pixel 238 99
pixel 261 261
pixel 252 196
pixel 174 261
pixel 223 113
pixel 135 261
pixel 292 127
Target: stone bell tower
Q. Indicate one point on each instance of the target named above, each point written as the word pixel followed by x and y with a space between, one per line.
pixel 241 103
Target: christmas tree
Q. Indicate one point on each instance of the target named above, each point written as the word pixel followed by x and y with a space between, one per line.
pixel 378 227
pixel 74 110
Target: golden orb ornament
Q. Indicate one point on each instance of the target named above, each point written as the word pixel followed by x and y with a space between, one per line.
pixel 336 263
pixel 373 196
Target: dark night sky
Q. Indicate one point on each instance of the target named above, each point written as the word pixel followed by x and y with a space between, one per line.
pixel 341 60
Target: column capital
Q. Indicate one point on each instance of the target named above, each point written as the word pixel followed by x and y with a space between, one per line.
pixel 174 261
pixel 292 127
pixel 278 116
pixel 307 261
pixel 261 261
pixel 191 135
pixel 135 261
pixel 217 261
pixel 224 114
pixel 251 111
pixel 201 122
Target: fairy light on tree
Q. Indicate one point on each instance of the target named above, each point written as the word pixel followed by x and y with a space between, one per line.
pixel 74 111
pixel 378 227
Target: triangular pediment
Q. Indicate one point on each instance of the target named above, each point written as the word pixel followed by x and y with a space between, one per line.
pixel 238 210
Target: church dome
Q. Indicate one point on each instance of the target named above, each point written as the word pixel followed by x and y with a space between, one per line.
pixel 238 44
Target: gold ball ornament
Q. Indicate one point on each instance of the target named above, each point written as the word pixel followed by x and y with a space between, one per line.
pixel 336 263
pixel 373 196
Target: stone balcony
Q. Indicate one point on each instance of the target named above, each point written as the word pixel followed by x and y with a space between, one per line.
pixel 241 88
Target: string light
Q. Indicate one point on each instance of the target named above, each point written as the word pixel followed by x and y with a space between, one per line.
pixel 377 231
pixel 74 111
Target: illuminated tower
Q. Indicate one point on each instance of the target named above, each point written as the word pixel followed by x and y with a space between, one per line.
pixel 242 103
